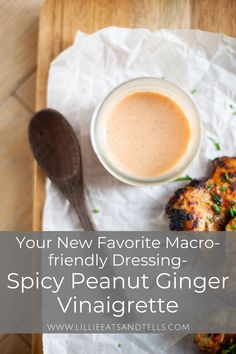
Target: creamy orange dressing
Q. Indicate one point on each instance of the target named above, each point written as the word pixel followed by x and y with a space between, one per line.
pixel 146 134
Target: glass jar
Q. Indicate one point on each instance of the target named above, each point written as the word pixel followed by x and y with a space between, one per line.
pixel 146 84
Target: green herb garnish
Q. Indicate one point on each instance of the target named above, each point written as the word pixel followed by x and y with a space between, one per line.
pixel 119 345
pixel 210 186
pixel 95 210
pixel 193 91
pixel 216 208
pixel 223 188
pixel 234 113
pixel 185 178
pixel 231 211
pixel 210 219
pixel 231 106
pixel 233 227
pixel 227 177
pixel 216 144
pixel 216 198
pixel 230 350
pixel 233 202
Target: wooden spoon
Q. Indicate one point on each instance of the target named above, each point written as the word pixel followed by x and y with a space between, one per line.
pixel 57 151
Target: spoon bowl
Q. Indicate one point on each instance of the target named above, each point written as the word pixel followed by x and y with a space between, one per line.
pixel 54 144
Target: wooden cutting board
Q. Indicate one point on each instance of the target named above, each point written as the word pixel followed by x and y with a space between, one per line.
pixel 61 19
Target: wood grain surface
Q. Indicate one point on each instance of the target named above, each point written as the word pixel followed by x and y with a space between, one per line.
pixel 19 26
pixel 60 19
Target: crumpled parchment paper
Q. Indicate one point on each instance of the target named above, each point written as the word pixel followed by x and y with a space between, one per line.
pixel 202 63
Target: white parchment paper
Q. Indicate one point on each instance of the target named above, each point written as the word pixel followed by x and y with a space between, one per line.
pixel 79 79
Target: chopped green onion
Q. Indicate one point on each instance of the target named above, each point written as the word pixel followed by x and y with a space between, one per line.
pixel 231 211
pixel 216 208
pixel 210 219
pixel 227 177
pixel 233 227
pixel 119 345
pixel 185 178
pixel 216 198
pixel 95 210
pixel 210 186
pixel 193 91
pixel 230 350
pixel 233 202
pixel 216 144
pixel 223 188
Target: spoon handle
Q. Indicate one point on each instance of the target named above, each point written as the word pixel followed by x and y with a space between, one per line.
pixel 74 192
pixel 82 212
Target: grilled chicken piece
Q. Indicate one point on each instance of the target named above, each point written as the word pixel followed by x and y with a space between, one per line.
pixel 206 205
pixel 231 226
pixel 216 343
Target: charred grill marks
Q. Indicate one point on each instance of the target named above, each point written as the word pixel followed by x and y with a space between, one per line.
pixel 193 206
